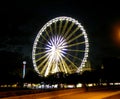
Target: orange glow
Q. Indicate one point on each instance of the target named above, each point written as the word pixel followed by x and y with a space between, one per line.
pixel 116 34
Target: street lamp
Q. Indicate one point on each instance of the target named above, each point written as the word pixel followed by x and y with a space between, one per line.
pixel 24 67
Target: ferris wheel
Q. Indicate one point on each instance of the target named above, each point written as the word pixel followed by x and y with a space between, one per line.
pixel 61 45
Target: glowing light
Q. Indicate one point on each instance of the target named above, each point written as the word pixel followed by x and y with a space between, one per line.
pixel 79 85
pixel 24 63
pixel 54 51
pixel 116 34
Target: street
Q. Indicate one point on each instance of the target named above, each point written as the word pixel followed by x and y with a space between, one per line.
pixel 72 94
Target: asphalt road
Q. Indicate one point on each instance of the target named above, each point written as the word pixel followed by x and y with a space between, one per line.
pixel 88 95
pixel 73 94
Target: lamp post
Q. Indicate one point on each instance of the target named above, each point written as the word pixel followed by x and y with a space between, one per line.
pixel 24 67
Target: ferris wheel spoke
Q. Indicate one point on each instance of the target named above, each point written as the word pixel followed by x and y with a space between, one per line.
pixel 60 26
pixel 74 38
pixel 62 43
pixel 71 50
pixel 40 43
pixel 40 48
pixel 44 38
pixel 47 34
pixel 52 69
pixel 55 40
pixel 61 67
pixel 36 54
pixel 57 68
pixel 43 71
pixel 64 27
pixel 51 30
pixel 70 45
pixel 74 66
pixel 69 29
pixel 72 33
pixel 65 66
pixel 49 62
pixel 74 57
pixel 46 68
pixel 55 27
pixel 44 56
pixel 41 64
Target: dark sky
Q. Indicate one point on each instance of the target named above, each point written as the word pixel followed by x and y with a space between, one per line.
pixel 21 20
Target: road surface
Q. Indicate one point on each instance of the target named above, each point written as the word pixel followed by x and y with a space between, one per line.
pixel 72 94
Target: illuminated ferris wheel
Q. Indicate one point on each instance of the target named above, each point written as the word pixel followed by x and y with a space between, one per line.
pixel 60 46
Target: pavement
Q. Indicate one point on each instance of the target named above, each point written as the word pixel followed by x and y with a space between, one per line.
pixel 73 94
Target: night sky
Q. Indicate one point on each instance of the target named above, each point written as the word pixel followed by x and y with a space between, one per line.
pixel 20 21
